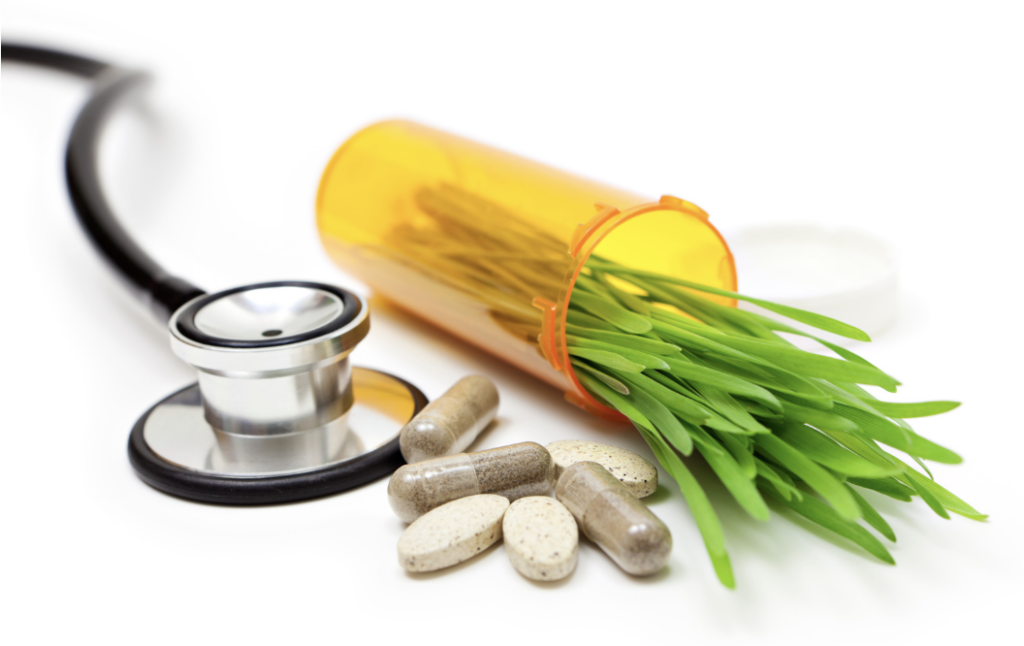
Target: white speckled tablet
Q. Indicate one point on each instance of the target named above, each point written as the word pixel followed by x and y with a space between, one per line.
pixel 639 475
pixel 452 533
pixel 541 538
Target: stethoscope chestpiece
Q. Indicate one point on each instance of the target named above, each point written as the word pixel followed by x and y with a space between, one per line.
pixel 270 417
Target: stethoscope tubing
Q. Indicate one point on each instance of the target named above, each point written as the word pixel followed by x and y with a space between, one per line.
pixel 161 291
pixel 165 294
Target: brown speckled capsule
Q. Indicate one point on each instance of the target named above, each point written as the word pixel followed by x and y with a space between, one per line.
pixel 513 471
pixel 450 423
pixel 614 518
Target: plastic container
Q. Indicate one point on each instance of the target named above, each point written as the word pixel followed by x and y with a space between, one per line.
pixel 488 245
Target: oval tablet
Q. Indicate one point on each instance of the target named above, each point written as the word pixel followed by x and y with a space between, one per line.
pixel 452 533
pixel 639 475
pixel 541 538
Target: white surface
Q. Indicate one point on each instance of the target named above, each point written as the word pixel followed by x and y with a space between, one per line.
pixel 904 119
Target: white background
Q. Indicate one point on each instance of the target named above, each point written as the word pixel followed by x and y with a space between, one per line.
pixel 902 119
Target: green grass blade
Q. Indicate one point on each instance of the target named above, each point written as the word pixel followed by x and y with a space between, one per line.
pixel 917 481
pixel 809 364
pixel 885 486
pixel 708 417
pixel 853 357
pixel 648 361
pixel 713 419
pixel 703 513
pixel 872 517
pixel 822 419
pixel 845 353
pixel 629 341
pixel 608 380
pixel 920 409
pixel 881 429
pixel 808 318
pixel 627 300
pixel 721 424
pixel 757 410
pixel 703 438
pixel 782 483
pixel 743 454
pixel 664 421
pixel 828 453
pixel 924 467
pixel 945 498
pixel 863 446
pixel 723 381
pixel 732 476
pixel 821 514
pixel 694 307
pixel 684 406
pixel 615 400
pixel 843 393
pixel 877 428
pixel 737 319
pixel 815 476
pixel 611 312
pixel 695 342
pixel 607 359
pixel 592 286
pixel 777 381
pixel 582 319
pixel 723 403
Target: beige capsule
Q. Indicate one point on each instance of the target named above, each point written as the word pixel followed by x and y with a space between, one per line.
pixel 614 518
pixel 541 538
pixel 450 423
pixel 513 471
pixel 639 475
pixel 452 533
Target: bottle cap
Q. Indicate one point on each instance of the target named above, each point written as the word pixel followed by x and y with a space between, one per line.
pixel 846 274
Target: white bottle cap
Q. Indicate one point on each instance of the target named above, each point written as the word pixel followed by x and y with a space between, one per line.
pixel 846 274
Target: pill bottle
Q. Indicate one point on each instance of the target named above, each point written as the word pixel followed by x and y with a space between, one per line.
pixel 488 245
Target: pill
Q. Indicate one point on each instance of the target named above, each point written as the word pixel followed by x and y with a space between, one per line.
pixel 615 519
pixel 639 475
pixel 513 471
pixel 541 538
pixel 450 423
pixel 452 533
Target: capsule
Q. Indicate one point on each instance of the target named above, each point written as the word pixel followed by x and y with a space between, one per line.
pixel 450 423
pixel 513 471
pixel 614 518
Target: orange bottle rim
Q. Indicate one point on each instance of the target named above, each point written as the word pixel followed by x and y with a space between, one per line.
pixel 586 239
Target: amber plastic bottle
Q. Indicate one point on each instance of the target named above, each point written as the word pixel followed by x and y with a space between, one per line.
pixel 488 245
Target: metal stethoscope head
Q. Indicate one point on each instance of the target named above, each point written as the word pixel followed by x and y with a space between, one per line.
pixel 271 412
pixel 273 371
pixel 278 414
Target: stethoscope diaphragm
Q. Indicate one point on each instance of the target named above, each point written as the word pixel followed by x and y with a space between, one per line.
pixel 278 414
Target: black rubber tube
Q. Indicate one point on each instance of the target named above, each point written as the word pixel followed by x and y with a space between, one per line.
pixel 162 292
pixel 51 58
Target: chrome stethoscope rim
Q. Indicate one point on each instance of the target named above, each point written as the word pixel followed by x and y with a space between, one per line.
pixel 222 488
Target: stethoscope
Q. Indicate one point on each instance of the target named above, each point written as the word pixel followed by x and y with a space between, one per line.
pixel 278 413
